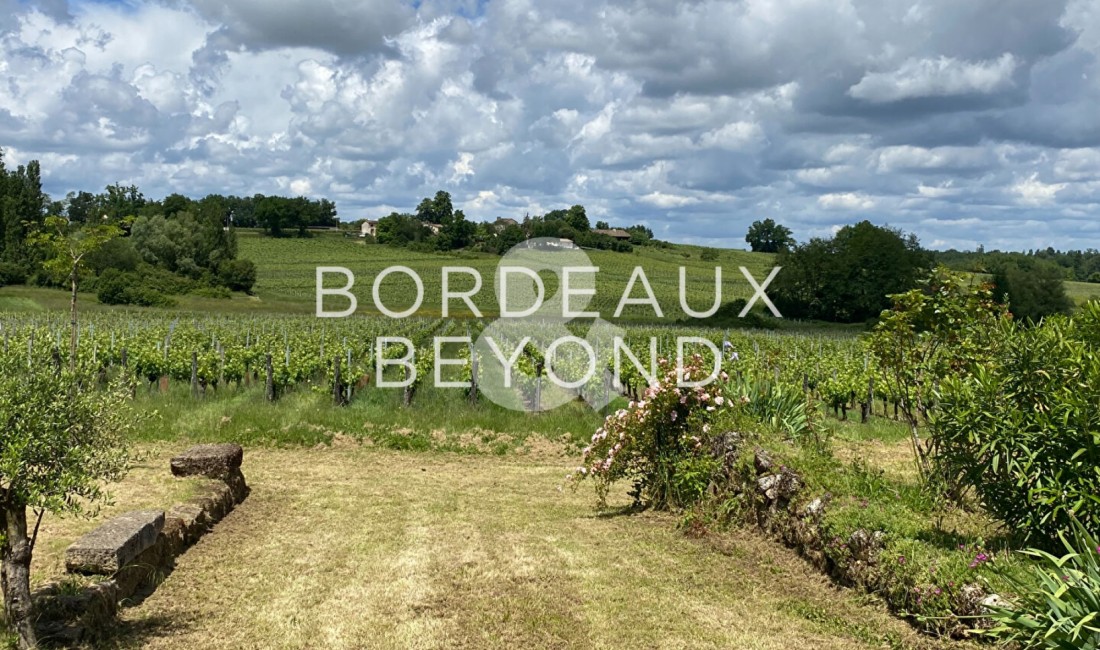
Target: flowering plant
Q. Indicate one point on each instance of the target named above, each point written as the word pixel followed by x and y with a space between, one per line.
pixel 657 441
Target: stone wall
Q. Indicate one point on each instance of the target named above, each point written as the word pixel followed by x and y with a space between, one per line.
pixel 127 556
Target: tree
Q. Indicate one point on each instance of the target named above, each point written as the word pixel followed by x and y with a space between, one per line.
pixel 326 214
pixel 456 232
pixel 22 207
pixel 640 234
pixel 80 207
pixel 174 203
pixel 769 237
pixel 1032 288
pixel 848 278
pixel 57 445
pixel 119 202
pixel 602 225
pixel 238 275
pixel 435 210
pixel 577 219
pixel 275 214
pixel 400 229
pixel 947 326
pixel 66 251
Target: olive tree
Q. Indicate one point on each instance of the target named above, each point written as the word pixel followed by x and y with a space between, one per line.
pixel 58 445
pixel 67 248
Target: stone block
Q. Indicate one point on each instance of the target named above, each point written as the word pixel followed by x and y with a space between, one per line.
pixel 115 543
pixel 213 461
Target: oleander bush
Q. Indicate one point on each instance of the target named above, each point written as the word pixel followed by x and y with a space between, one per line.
pixel 1023 432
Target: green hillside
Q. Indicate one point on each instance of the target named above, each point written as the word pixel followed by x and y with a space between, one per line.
pixel 287 272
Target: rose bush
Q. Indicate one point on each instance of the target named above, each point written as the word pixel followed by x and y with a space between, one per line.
pixel 659 441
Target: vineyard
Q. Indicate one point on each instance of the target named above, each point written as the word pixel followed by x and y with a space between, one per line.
pixel 344 357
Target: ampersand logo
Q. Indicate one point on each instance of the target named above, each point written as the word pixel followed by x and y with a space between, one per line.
pixel 546 350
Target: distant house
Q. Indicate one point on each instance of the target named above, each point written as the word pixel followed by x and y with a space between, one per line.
pixel 550 243
pixel 368 228
pixel 434 227
pixel 504 222
pixel 615 233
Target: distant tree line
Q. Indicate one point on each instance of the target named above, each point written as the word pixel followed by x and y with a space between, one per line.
pixel 278 215
pixel 848 277
pixel 437 226
pixel 174 246
pixel 1082 266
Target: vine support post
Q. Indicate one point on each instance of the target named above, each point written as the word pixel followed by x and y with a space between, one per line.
pixel 338 396
pixel 408 388
pixel 194 374
pixel 269 387
pixel 473 376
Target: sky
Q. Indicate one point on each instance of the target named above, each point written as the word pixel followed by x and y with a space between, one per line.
pixel 965 122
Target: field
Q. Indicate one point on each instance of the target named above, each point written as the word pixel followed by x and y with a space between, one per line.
pixel 1082 292
pixel 350 546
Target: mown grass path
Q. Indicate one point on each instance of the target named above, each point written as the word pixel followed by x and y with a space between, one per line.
pixel 352 547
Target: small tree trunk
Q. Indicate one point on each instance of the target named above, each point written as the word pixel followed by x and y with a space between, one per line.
pixel 16 563
pixel 72 324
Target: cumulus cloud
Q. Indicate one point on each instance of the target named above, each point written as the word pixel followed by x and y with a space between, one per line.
pixel 940 77
pixel 693 118
pixel 845 201
pixel 1033 191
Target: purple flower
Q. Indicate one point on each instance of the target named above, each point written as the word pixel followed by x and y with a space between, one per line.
pixel 901 559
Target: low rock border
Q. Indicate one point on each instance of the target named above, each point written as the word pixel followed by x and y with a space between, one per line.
pixel 775 501
pixel 68 616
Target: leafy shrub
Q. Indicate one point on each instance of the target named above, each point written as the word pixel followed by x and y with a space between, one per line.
pixel 1022 430
pixel 659 441
pixel 12 274
pixel 118 253
pixel 1034 289
pixel 1059 608
pixel 116 287
pixel 238 275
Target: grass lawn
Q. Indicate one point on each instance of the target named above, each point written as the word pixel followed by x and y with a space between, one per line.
pixel 351 546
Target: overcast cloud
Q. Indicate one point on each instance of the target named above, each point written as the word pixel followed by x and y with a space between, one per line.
pixel 967 123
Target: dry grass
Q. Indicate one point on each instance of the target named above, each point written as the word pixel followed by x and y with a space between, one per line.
pixel 355 547
pixel 149 485
pixel 894 457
